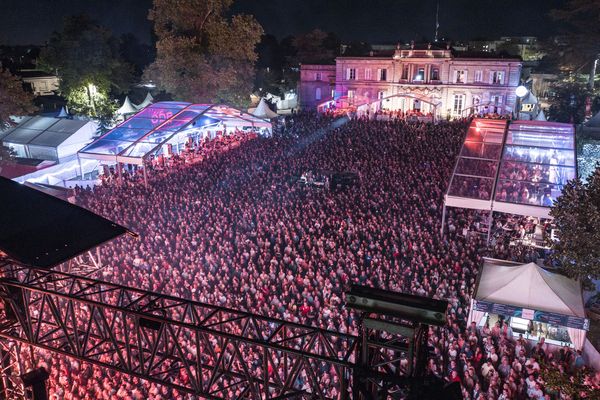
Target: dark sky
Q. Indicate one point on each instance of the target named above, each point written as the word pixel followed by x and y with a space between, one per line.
pixel 24 22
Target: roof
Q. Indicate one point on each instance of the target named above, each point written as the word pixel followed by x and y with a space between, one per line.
pixel 145 132
pixel 262 110
pixel 518 168
pixel 127 107
pixel 529 286
pixel 43 131
pixel 40 230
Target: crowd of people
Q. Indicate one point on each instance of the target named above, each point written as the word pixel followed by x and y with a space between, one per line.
pixel 235 230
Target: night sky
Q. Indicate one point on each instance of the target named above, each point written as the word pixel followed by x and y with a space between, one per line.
pixel 375 21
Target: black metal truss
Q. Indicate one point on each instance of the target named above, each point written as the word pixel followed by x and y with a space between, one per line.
pixel 11 368
pixel 209 351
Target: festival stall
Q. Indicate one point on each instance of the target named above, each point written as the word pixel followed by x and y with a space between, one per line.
pixel 535 302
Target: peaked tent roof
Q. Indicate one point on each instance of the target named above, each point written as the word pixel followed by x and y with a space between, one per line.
pixel 127 107
pixel 541 116
pixel 62 113
pixel 147 101
pixel 263 110
pixel 529 286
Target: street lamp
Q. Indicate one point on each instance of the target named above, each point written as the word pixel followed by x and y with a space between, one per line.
pixel 521 92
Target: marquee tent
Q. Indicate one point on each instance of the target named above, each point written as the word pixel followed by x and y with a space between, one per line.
pixel 147 101
pixel 47 138
pixel 517 168
pixel 169 123
pixel 127 107
pixel 529 292
pixel 263 110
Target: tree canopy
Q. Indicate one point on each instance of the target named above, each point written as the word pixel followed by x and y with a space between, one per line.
pixel 14 100
pixel 87 59
pixel 581 37
pixel 317 47
pixel 577 218
pixel 202 55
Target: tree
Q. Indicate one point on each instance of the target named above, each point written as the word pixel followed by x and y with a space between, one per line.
pixel 14 100
pixel 88 62
pixel 581 47
pixel 576 215
pixel 569 101
pixel 201 54
pixel 317 47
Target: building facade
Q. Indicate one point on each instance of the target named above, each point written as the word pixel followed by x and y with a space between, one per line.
pixel 317 84
pixel 425 81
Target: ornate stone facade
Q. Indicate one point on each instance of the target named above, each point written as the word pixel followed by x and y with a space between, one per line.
pixel 428 81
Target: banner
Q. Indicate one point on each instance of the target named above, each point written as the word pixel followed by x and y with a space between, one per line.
pixel 533 315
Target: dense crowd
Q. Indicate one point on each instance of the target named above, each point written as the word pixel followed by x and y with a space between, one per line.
pixel 238 230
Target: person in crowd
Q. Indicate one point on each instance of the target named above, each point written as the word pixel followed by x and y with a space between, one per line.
pixel 233 228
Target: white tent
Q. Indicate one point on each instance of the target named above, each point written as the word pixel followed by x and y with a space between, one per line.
pixel 147 101
pixel 127 108
pixel 541 116
pixel 262 110
pixel 63 113
pixel 53 139
pixel 533 291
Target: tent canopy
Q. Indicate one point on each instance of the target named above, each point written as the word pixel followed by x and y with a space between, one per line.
pixel 529 286
pixel 166 122
pixel 127 107
pixel 263 110
pixel 518 168
pixel 44 131
pixel 147 101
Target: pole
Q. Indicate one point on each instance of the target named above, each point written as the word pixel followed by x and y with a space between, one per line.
pixel 443 220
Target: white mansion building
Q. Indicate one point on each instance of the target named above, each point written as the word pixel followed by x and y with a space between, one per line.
pixel 426 81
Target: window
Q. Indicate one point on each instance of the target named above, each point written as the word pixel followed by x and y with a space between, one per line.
pixel 351 94
pixel 380 95
pixel 479 76
pixel 383 74
pixel 351 74
pixel 405 72
pixel 332 93
pixel 459 101
pixel 318 76
pixel 435 74
pixel 318 94
pixel 498 77
pixel 420 74
pixel 460 76
pixel 368 76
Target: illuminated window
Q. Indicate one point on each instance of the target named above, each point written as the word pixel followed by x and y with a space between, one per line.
pixel 435 74
pixel 460 76
pixel 420 74
pixel 459 101
pixel 368 76
pixel 498 77
pixel 318 94
pixel 351 94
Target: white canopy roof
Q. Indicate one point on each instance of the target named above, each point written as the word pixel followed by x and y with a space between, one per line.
pixel 262 110
pixel 127 107
pixel 147 101
pixel 529 286
pixel 541 116
pixel 63 113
